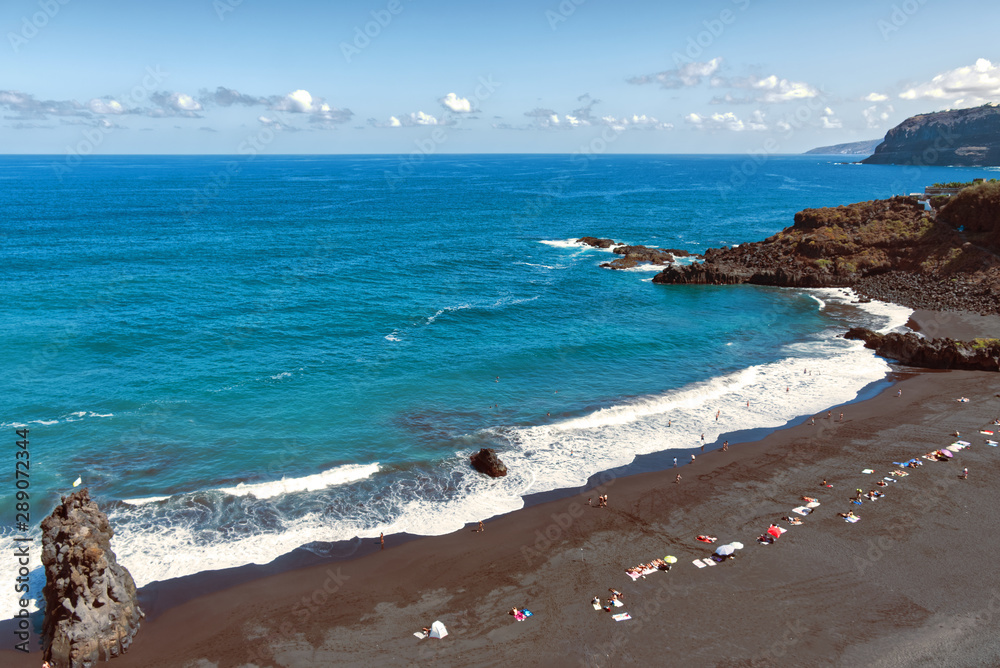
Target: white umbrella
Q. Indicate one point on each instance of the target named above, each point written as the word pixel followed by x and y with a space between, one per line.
pixel 725 550
pixel 737 545
pixel 438 630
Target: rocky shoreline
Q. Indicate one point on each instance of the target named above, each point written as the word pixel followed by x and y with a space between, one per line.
pixel 914 350
pixel 633 256
pixel 892 250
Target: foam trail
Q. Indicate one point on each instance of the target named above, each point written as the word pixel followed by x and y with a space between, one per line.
pixel 335 476
pixel 822 304
pixel 143 501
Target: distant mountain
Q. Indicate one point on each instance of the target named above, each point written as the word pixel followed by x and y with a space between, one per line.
pixel 866 147
pixel 962 137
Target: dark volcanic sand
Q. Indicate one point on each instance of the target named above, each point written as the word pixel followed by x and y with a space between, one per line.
pixel 912 584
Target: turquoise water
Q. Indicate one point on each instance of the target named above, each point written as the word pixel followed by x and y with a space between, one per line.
pixel 240 357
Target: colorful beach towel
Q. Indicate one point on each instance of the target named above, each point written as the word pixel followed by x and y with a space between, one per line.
pixel 986 431
pixel 993 443
pixel 868 471
pixel 621 617
pixel 852 520
pixel 802 510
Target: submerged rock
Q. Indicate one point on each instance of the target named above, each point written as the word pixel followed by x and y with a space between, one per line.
pixel 91 609
pixel 486 461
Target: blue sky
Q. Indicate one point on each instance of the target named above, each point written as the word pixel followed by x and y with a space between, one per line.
pixel 558 76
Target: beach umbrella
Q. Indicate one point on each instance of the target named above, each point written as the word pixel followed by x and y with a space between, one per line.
pixel 725 550
pixel 737 545
pixel 438 630
pixel 670 559
pixel 773 531
pixel 945 453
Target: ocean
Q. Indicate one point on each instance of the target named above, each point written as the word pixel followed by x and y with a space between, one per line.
pixel 240 356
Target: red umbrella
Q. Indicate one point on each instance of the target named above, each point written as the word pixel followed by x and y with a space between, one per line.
pixel 773 530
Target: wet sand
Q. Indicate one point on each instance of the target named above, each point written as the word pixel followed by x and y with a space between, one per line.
pixel 912 584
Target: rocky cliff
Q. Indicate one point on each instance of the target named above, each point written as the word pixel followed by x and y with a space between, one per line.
pixel 967 137
pixel 91 609
pixel 886 249
pixel 866 147
pixel 978 355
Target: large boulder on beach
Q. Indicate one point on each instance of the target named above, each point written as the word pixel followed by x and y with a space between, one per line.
pixel 913 350
pixel 91 609
pixel 486 461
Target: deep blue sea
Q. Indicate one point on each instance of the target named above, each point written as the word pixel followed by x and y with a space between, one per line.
pixel 240 356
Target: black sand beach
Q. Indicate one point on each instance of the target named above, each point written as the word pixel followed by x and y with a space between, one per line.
pixel 913 583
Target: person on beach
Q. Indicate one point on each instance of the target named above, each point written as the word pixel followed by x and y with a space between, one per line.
pixel 812 420
pixel 481 527
pixel 381 540
pixel 725 446
pixel 717 415
pixel 677 479
pixel 675 462
pixel 692 458
pixel 829 415
pixel 841 416
pixel 965 474
pixel 899 393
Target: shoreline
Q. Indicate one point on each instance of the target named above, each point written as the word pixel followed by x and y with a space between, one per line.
pixel 191 607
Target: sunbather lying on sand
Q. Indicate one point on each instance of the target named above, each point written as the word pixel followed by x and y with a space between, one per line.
pixel 706 539
pixel 791 520
pixel 808 499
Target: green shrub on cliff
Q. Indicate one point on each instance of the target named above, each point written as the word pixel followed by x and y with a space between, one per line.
pixel 977 210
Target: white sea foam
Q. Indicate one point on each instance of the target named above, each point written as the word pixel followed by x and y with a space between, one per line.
pixel 100 415
pixel 575 245
pixel 447 309
pixel 647 267
pixel 335 476
pixel 540 266
pixel 45 422
pixel 393 337
pixel 822 304
pixel 143 501
pixel 279 376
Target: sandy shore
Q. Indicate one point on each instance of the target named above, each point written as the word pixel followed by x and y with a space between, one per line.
pixel 912 584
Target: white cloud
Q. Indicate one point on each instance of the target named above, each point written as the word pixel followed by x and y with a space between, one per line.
pixel 875 97
pixel 829 121
pixel 106 106
pixel 781 90
pixel 688 74
pixel 727 121
pixel 972 85
pixel 876 115
pixel 298 101
pixel 636 122
pixel 455 103
pixel 415 119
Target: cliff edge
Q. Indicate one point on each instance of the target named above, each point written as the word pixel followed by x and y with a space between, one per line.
pixel 962 137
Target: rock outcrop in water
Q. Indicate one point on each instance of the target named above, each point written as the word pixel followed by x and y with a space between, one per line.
pixel 634 255
pixel 486 461
pixel 891 250
pixel 913 350
pixel 91 609
pixel 965 137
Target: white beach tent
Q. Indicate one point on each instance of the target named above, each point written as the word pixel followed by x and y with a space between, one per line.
pixel 438 630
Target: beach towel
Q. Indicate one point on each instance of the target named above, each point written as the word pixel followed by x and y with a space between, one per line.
pixel 852 520
pixel 857 503
pixel 634 576
pixel 955 447
pixel 597 606
pixel 812 504
pixel 986 431
pixel 870 470
pixel 889 479
pixel 617 603
pixel 519 616
pixel 621 616
pixel 993 443
pixel 420 634
pixel 802 510
pixel 965 443
pixel 781 531
pixel 697 562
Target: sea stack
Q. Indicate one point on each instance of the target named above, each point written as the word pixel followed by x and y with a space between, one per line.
pixel 91 609
pixel 486 461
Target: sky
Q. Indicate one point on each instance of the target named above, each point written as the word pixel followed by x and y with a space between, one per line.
pixel 513 76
